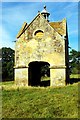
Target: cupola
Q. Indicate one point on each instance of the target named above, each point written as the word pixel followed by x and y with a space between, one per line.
pixel 45 13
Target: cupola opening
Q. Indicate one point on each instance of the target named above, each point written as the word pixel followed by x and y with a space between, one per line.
pixel 45 13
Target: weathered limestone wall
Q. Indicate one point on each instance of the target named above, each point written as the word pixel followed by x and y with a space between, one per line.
pixel 58 77
pixel 21 76
pixel 49 48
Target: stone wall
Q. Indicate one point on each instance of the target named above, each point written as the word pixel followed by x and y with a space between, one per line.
pixel 21 76
pixel 58 77
pixel 49 48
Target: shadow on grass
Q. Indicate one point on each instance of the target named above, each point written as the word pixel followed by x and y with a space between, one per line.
pixel 45 83
pixel 74 80
pixel 7 80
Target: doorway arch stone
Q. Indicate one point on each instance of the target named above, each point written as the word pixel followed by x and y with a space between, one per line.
pixel 36 73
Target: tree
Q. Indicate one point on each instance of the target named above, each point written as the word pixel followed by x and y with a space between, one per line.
pixel 74 60
pixel 7 64
pixel 45 70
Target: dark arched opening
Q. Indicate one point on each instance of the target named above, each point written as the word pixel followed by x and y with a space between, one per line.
pixel 39 74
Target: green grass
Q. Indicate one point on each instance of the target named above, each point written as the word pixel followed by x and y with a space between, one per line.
pixel 36 102
pixel 45 78
pixel 75 76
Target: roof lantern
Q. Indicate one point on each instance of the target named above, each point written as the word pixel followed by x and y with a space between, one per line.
pixel 45 13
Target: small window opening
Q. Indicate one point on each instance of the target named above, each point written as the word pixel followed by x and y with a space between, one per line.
pixel 39 33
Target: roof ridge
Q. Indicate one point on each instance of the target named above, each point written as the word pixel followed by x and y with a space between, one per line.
pixel 28 25
pixel 58 26
pixel 22 28
pixel 59 21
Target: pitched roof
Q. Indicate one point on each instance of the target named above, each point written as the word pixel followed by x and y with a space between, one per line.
pixel 22 29
pixel 60 27
pixel 25 26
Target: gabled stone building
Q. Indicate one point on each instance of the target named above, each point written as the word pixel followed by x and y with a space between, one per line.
pixel 38 43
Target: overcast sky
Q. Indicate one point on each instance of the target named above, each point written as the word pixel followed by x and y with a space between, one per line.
pixel 14 14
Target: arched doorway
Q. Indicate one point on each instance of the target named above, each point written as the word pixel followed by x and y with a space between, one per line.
pixel 39 73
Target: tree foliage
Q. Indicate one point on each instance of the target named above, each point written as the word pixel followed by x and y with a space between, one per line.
pixel 7 64
pixel 45 70
pixel 74 60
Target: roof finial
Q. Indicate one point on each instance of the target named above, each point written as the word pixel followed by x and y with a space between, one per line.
pixel 45 13
pixel 38 12
pixel 44 6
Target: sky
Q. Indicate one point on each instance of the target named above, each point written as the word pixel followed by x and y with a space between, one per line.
pixel 14 14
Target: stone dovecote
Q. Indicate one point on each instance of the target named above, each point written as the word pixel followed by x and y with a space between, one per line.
pixel 45 41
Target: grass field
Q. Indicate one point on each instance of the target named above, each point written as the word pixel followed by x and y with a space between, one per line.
pixel 75 76
pixel 39 102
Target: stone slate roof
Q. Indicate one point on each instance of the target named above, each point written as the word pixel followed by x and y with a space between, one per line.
pixel 60 27
pixel 22 29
